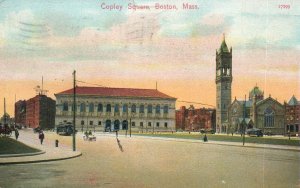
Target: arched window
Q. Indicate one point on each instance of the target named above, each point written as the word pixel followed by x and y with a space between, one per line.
pixel 133 108
pixel 269 117
pixel 82 107
pixel 116 108
pixel 108 108
pixel 100 107
pixel 65 107
pixel 149 109
pixel 166 109
pixel 125 108
pixel 91 107
pixel 157 109
pixel 141 108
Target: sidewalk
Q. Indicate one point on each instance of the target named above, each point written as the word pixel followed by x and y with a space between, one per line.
pixel 49 151
pixel 236 144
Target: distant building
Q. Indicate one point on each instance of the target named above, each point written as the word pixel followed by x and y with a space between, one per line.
pixel 266 114
pixel 192 119
pixel 108 109
pixel 38 111
pixel 292 115
pixel 6 119
pixel 223 85
pixel 20 112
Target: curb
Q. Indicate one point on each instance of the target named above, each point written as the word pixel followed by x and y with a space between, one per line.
pixel 198 141
pixel 38 161
pixel 22 154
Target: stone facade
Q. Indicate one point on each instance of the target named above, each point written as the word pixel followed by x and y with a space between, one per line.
pixel 192 119
pixel 256 112
pixel 223 85
pixel 108 109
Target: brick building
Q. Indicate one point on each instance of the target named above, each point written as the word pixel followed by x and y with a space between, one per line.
pixel 292 115
pixel 39 112
pixel 192 119
pixel 20 112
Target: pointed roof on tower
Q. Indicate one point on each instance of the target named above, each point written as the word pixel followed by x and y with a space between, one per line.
pixel 223 47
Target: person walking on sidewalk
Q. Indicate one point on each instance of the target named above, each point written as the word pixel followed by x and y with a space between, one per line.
pixel 41 137
pixel 205 138
pixel 16 134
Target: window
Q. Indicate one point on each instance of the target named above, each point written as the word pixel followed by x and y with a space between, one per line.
pixel 100 107
pixel 269 117
pixel 82 107
pixel 166 109
pixel 99 122
pixel 65 107
pixel 73 107
pixel 157 109
pixel 116 108
pixel 133 124
pixel 141 108
pixel 125 108
pixel 133 108
pixel 149 109
pixel 91 122
pixel 166 125
pixel 91 107
pixel 82 122
pixel 108 108
pixel 141 124
pixel 157 124
pixel 149 124
pixel 297 128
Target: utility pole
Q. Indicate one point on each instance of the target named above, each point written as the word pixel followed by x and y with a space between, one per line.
pixel 74 112
pixel 244 122
pixel 4 117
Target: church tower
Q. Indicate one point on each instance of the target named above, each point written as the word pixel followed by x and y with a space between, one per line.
pixel 223 85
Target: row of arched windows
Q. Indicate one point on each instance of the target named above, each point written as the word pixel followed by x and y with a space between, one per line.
pixel 91 108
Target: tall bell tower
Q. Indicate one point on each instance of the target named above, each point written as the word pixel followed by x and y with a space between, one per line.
pixel 223 84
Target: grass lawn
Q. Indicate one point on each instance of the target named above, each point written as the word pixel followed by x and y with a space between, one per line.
pixel 229 138
pixel 11 146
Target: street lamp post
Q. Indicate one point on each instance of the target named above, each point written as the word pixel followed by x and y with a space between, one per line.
pixel 74 112
pixel 130 127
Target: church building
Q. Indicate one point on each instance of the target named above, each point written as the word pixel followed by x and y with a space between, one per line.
pixel 256 112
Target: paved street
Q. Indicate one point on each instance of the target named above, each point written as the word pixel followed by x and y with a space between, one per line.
pixel 141 162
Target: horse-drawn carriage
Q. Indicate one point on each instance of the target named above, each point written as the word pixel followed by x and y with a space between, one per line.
pixel 88 136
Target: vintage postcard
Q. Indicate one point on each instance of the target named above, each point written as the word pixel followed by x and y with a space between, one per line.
pixel 149 93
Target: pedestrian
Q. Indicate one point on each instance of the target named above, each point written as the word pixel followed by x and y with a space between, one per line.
pixel 116 133
pixel 16 134
pixel 205 138
pixel 41 136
